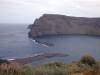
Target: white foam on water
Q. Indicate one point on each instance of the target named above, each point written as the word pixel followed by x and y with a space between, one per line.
pixel 10 59
pixel 35 41
pixel 44 45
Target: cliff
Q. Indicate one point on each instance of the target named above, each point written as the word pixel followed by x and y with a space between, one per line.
pixel 52 24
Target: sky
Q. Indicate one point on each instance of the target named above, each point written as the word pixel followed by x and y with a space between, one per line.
pixel 26 11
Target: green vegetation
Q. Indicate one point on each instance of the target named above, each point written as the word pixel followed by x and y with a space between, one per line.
pixel 87 65
pixel 3 61
pixel 87 59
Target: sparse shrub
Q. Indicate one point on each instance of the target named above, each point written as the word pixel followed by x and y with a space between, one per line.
pixel 55 64
pixel 51 69
pixel 88 60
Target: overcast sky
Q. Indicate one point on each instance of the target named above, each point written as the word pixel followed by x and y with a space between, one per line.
pixel 25 11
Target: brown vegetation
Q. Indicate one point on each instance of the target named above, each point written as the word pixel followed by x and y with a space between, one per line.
pixel 87 59
pixel 86 66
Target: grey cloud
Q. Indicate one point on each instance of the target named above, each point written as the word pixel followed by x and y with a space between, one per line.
pixel 25 11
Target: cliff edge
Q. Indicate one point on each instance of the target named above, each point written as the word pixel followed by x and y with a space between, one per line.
pixel 53 24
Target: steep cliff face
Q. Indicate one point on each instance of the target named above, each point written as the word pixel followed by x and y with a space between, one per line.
pixel 52 24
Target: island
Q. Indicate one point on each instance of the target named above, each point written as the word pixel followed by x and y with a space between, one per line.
pixel 55 24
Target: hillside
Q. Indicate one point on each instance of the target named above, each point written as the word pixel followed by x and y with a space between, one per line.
pixel 53 24
pixel 87 65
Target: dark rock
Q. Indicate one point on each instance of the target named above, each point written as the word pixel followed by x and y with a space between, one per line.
pixel 29 26
pixel 38 57
pixel 2 61
pixel 52 24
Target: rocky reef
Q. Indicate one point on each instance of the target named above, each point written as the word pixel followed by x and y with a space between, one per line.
pixel 37 57
pixel 53 24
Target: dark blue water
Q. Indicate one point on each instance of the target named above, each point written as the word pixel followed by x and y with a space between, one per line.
pixel 14 43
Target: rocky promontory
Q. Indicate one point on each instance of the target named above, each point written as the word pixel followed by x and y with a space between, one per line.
pixel 53 24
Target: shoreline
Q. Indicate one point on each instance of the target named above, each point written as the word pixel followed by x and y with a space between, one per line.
pixel 57 35
pixel 37 57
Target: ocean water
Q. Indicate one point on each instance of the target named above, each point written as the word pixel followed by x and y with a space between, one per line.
pixel 15 43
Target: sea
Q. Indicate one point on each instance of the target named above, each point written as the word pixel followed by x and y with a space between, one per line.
pixel 15 43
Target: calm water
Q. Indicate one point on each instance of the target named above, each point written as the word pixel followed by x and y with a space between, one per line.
pixel 14 43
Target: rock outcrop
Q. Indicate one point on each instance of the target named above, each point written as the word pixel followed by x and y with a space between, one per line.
pixel 37 57
pixel 52 24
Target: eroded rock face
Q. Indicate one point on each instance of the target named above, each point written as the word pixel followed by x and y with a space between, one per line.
pixel 52 24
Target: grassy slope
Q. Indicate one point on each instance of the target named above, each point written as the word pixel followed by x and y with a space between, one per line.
pixel 86 66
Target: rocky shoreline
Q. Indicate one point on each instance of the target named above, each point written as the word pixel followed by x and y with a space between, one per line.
pixel 37 57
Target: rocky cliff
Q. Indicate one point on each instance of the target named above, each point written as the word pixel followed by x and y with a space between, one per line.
pixel 52 24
